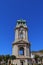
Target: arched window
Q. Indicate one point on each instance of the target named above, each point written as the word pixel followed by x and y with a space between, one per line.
pixel 21 51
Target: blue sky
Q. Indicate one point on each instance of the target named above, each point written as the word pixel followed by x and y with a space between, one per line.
pixel 12 10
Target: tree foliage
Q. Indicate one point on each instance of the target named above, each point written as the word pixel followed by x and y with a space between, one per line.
pixel 7 57
pixel 36 58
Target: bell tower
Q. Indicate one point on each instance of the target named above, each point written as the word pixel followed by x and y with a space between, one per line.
pixel 21 45
pixel 21 30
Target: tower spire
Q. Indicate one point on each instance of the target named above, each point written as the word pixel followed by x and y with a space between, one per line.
pixel 21 46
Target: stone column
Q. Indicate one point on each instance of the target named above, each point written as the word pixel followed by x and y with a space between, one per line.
pixel 26 36
pixel 30 62
pixel 16 35
pixel 26 62
pixel 15 50
pixel 25 51
pixel 18 63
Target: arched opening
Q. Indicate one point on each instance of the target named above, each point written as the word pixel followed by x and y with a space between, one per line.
pixel 21 51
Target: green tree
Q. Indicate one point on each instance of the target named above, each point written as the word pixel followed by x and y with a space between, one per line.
pixel 13 57
pixel 36 58
pixel 7 57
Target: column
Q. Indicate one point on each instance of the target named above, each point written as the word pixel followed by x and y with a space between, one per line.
pixel 26 36
pixel 25 51
pixel 16 35
pixel 26 62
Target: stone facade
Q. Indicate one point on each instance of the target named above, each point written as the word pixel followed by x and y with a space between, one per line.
pixel 21 45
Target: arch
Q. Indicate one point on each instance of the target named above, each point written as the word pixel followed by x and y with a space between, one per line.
pixel 21 51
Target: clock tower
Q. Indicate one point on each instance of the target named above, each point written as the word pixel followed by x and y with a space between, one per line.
pixel 21 45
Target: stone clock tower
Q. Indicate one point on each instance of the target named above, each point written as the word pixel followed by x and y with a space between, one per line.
pixel 21 45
